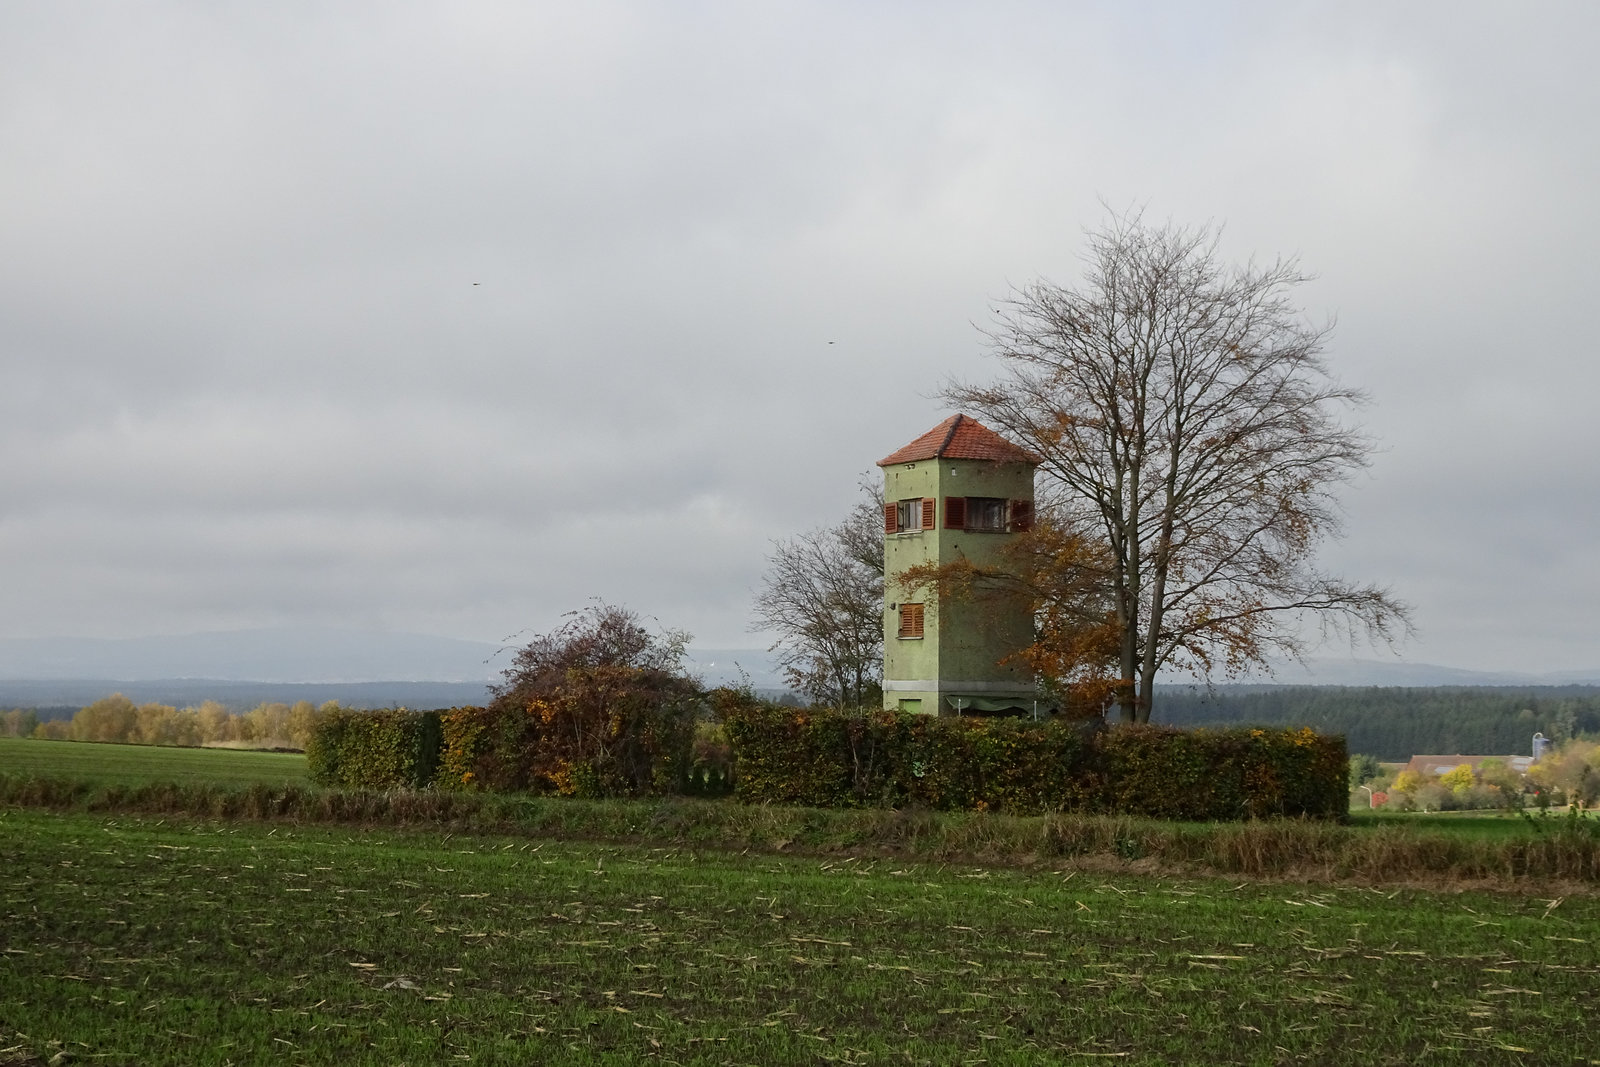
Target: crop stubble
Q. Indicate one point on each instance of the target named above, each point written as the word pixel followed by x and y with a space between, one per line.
pixel 141 940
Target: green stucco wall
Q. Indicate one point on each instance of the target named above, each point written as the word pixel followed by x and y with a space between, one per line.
pixel 959 654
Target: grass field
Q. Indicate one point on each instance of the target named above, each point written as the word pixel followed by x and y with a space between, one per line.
pixel 1483 823
pixel 138 940
pixel 130 934
pixel 145 764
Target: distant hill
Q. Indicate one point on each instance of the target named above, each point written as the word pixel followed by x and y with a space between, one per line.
pixel 272 655
pixel 244 668
pixel 1361 672
pixel 239 696
pixel 321 655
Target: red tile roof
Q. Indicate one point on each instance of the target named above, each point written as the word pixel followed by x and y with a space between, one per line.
pixel 1428 766
pixel 961 437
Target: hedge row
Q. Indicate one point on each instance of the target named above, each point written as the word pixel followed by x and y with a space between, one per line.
pixel 591 748
pixel 827 759
pixel 621 747
pixel 374 749
pixel 831 760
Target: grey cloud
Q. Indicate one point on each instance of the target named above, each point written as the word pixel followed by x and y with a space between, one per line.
pixel 248 378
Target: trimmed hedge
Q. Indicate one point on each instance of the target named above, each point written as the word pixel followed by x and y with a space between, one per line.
pixel 889 759
pixel 374 749
pixel 827 759
pixel 625 746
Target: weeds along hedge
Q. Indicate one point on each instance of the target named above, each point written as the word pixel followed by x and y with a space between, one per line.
pixel 890 759
pixel 1553 850
pixel 374 749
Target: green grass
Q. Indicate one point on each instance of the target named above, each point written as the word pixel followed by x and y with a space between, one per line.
pixel 145 764
pixel 130 940
pixel 1490 825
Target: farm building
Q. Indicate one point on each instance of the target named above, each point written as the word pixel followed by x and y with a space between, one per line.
pixel 1435 766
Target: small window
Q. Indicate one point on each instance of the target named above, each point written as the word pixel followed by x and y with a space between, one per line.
pixel 910 621
pixel 986 513
pixel 913 514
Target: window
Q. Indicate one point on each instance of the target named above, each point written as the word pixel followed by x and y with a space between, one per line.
pixel 910 621
pixel 904 516
pixel 986 513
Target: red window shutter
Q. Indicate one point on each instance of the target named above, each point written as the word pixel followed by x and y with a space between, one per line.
pixel 891 512
pixel 1021 515
pixel 955 513
pixel 928 504
pixel 911 620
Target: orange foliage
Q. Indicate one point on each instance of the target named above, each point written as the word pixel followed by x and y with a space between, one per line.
pixel 1061 577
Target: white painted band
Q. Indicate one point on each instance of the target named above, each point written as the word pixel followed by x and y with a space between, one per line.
pixel 936 685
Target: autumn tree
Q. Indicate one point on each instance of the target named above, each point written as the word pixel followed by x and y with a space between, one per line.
pixel 1184 413
pixel 822 595
pixel 1058 575
pixel 19 722
pixel 1459 779
pixel 302 720
pixel 112 719
pixel 600 706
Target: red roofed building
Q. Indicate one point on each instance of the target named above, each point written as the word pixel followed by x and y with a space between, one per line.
pixel 961 437
pixel 1436 766
pixel 959 491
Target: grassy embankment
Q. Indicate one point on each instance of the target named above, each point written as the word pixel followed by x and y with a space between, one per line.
pixel 141 940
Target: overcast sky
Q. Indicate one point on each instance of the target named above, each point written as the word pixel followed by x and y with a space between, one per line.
pixel 445 317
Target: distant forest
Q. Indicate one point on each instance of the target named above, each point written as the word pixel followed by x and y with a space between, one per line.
pixel 1395 723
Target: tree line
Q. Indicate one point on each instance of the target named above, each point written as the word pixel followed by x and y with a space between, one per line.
pixel 1397 723
pixel 118 720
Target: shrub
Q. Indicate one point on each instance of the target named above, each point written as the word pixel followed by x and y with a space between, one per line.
pixel 374 749
pixel 598 707
pixel 612 731
pixel 599 735
pixel 1435 797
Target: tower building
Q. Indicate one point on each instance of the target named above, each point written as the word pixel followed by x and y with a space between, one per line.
pixel 958 491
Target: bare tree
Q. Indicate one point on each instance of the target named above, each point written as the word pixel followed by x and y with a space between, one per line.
pixel 823 596
pixel 1184 411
